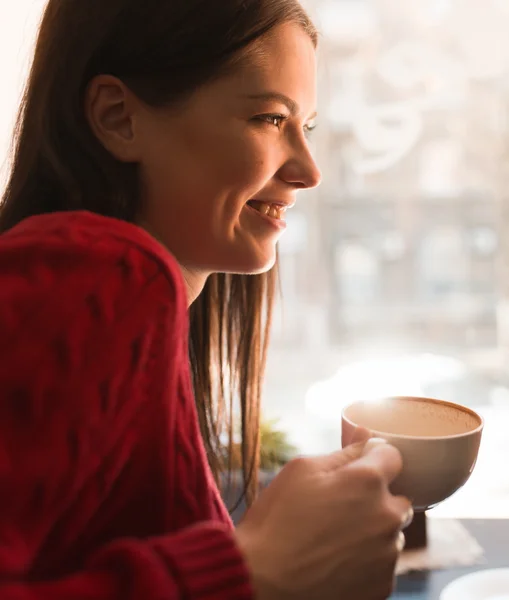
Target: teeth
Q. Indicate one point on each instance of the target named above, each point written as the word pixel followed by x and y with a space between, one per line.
pixel 275 211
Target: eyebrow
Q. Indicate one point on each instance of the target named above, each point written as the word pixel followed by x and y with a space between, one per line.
pixel 292 106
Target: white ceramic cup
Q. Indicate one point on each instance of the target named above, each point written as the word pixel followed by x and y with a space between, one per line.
pixel 438 440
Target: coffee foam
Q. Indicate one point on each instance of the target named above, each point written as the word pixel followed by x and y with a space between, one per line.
pixel 412 416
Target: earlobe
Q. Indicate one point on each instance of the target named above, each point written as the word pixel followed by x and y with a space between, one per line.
pixel 109 111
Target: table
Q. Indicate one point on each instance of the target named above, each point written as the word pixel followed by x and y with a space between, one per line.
pixel 492 535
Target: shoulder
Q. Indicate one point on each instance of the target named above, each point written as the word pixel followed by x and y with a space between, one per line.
pixel 93 323
pixel 88 302
pixel 80 244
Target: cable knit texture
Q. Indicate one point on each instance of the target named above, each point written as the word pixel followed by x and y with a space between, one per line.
pixel 105 491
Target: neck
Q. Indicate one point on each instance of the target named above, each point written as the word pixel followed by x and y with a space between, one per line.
pixel 195 282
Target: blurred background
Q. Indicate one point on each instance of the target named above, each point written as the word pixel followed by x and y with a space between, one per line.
pixel 395 272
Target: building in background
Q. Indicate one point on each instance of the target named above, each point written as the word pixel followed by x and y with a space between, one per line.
pixel 400 259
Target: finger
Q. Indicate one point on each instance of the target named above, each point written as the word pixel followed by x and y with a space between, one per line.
pixel 343 457
pixel 371 443
pixel 360 435
pixel 400 542
pixel 403 507
pixel 382 457
pixel 409 516
pixel 350 453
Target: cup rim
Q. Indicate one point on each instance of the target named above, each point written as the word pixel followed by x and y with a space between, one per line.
pixel 455 405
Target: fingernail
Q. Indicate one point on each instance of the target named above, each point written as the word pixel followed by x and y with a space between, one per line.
pixel 401 542
pixel 372 443
pixel 408 518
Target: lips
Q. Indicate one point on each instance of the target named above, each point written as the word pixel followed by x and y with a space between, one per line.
pixel 270 209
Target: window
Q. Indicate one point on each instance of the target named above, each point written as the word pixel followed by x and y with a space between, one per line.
pixel 395 273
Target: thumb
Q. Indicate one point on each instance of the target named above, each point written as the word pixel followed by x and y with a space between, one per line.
pixel 360 434
pixel 343 457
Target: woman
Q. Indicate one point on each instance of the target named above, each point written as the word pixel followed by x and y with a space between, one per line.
pixel 159 144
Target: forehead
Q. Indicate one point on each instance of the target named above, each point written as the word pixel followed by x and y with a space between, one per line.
pixel 282 61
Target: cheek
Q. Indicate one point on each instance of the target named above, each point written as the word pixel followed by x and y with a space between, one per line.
pixel 249 163
pixel 207 172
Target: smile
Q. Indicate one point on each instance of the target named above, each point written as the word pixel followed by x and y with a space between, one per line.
pixel 274 211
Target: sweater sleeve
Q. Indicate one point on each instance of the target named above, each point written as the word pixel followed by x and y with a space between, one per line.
pixel 92 344
pixel 201 562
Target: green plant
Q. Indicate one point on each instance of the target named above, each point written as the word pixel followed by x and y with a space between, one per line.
pixel 275 449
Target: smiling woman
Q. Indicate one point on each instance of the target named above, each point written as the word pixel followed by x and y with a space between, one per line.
pixel 157 135
pixel 232 144
pixel 158 146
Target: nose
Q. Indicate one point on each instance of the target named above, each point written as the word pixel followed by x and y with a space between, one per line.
pixel 301 170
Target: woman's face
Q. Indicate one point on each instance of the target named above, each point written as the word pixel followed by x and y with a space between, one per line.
pixel 219 172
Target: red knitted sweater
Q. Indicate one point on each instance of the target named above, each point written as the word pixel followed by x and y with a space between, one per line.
pixel 105 491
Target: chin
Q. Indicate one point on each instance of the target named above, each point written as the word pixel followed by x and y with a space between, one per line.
pixel 253 265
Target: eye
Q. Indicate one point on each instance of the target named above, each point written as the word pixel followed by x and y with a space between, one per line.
pixel 275 120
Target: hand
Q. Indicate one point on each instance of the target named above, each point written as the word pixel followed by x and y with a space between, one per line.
pixel 328 528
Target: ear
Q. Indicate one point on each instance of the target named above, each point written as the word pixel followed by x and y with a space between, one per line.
pixel 110 108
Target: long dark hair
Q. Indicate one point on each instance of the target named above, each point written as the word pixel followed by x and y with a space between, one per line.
pixel 163 50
